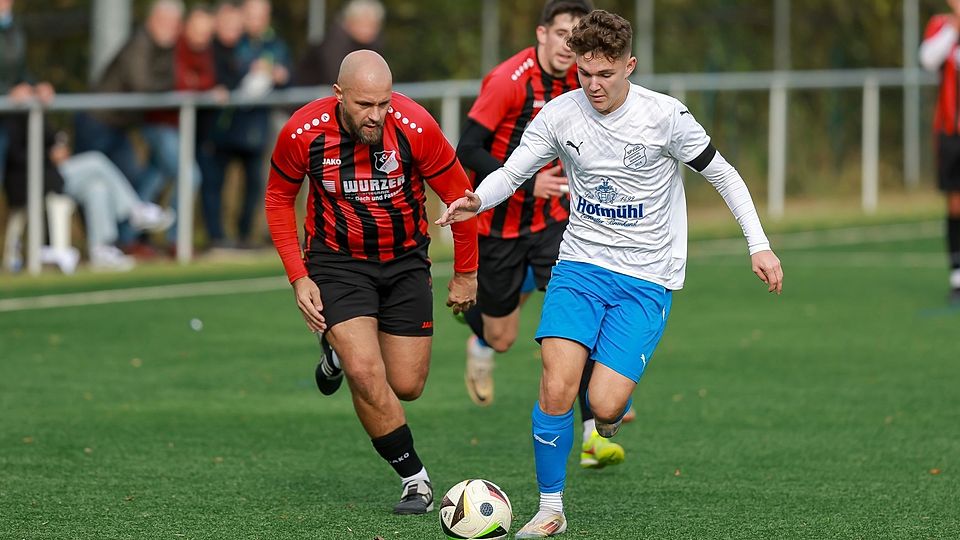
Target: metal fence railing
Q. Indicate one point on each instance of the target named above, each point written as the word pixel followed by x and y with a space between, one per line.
pixel 451 94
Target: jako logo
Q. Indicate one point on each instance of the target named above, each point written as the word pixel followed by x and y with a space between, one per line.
pixel 331 161
pixel 624 211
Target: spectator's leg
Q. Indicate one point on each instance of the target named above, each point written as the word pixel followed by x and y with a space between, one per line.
pixel 83 179
pixel 252 195
pixel 4 144
pixel 212 168
pixel 12 253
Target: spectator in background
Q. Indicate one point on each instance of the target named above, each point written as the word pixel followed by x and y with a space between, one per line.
pixel 14 80
pixel 108 199
pixel 243 133
pixel 90 179
pixel 228 30
pixel 938 52
pixel 359 27
pixel 192 71
pixel 59 206
pixel 144 64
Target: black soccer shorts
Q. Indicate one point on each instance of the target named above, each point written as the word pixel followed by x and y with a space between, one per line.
pixel 398 293
pixel 948 162
pixel 503 266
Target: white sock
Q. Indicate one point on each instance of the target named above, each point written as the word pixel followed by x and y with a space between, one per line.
pixel 335 359
pixel 422 475
pixel 588 427
pixel 955 279
pixel 551 501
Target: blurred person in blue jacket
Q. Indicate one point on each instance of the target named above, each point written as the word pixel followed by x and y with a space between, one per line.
pixel 243 133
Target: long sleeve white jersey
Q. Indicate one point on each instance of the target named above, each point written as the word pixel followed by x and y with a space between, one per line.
pixel 627 205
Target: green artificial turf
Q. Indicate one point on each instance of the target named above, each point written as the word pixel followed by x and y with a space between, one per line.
pixel 829 412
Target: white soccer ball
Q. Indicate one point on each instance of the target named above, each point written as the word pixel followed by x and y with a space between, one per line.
pixel 475 508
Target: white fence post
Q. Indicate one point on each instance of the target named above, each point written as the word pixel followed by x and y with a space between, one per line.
pixel 871 144
pixel 777 172
pixel 35 221
pixel 450 117
pixel 911 94
pixel 188 124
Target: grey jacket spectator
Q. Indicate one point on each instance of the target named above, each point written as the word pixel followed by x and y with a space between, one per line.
pixel 360 27
pixel 142 65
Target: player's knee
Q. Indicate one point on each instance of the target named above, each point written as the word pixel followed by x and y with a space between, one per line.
pixel 556 397
pixel 606 411
pixel 410 391
pixel 500 340
pixel 364 377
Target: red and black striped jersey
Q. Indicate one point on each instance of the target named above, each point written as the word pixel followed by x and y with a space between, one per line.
pixel 947 114
pixel 365 201
pixel 510 97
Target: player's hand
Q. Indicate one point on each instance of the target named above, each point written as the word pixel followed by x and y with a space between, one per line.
pixel 461 209
pixel 20 93
pixel 463 292
pixel 767 267
pixel 550 183
pixel 308 300
pixel 45 92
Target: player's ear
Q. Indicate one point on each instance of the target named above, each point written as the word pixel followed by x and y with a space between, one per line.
pixel 631 65
pixel 338 92
pixel 542 34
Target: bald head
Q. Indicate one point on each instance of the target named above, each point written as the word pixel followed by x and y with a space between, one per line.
pixel 366 71
pixel 364 90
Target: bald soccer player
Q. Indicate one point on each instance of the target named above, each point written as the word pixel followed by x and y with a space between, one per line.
pixel 362 280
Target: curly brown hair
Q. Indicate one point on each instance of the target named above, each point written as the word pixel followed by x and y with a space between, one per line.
pixel 602 32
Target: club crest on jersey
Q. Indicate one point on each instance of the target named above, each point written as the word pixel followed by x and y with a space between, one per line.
pixel 604 205
pixel 386 161
pixel 634 156
pixel 605 192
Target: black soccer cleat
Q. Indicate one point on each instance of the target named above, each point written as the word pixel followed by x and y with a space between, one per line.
pixel 329 377
pixel 417 498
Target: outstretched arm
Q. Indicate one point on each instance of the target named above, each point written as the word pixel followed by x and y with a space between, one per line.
pixel 463 285
pixel 728 182
pixel 536 150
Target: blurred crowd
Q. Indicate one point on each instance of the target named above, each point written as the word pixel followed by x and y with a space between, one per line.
pixel 124 164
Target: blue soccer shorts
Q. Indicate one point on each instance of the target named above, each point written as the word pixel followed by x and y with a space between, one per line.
pixel 618 318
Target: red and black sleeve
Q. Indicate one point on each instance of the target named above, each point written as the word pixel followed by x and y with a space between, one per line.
pixel 288 167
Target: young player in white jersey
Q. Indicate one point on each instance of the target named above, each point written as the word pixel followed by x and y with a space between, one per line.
pixel 624 249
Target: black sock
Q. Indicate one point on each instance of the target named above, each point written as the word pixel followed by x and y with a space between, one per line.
pixel 397 448
pixel 953 241
pixel 585 412
pixel 475 320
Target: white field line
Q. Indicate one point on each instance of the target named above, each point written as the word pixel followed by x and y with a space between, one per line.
pixel 858 259
pixel 832 237
pixel 162 292
pixel 876 234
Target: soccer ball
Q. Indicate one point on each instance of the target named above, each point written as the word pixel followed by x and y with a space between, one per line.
pixel 475 509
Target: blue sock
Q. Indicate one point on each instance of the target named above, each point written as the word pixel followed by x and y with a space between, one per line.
pixel 529 282
pixel 552 442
